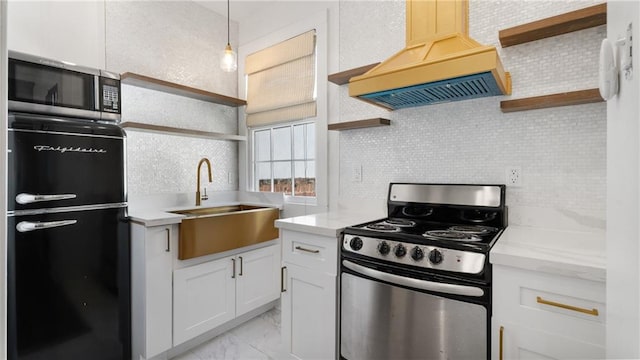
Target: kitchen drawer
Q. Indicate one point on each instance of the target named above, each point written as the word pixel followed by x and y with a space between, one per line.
pixel 566 306
pixel 520 342
pixel 310 251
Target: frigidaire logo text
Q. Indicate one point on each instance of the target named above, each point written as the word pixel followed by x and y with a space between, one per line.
pixel 64 149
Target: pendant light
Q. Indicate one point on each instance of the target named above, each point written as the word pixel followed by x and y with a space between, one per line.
pixel 228 58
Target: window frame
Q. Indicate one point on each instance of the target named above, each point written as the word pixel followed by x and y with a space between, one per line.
pixel 254 163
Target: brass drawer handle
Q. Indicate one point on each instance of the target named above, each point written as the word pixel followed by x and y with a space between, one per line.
pixel 307 250
pixel 593 312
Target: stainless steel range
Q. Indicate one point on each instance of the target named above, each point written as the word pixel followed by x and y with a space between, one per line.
pixel 417 285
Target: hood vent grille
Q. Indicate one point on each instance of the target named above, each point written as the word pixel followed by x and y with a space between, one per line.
pixel 461 88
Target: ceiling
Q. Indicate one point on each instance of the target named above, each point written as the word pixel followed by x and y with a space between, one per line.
pixel 238 9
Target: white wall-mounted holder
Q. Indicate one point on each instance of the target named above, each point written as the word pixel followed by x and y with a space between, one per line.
pixel 608 71
pixel 626 44
pixel 608 67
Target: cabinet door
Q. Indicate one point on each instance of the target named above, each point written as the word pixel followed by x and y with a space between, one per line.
pixel 309 313
pixel 519 342
pixel 158 269
pixel 203 298
pixel 44 28
pixel 151 295
pixel 258 278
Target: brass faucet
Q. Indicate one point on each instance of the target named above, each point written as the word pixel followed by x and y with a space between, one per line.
pixel 203 160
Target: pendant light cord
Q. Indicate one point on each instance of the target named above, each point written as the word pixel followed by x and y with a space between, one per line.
pixel 228 31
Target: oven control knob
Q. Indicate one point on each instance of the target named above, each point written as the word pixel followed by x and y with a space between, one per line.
pixel 435 256
pixel 384 248
pixel 400 250
pixel 417 254
pixel 356 243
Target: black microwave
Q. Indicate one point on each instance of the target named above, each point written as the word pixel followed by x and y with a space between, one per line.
pixel 45 86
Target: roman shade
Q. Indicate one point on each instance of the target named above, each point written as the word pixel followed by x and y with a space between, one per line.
pixel 281 82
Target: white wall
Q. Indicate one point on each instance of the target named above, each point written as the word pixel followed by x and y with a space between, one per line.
pixel 178 42
pixel 561 151
pixel 61 30
pixel 623 185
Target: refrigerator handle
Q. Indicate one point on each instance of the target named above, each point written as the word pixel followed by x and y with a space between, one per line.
pixel 23 198
pixel 24 226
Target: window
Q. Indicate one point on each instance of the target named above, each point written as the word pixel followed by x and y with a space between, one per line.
pixel 280 113
pixel 284 159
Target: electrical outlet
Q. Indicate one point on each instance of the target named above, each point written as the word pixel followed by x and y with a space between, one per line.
pixel 357 174
pixel 514 176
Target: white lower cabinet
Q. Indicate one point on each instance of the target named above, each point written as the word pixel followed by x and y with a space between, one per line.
pixel 309 313
pixel 522 342
pixel 309 295
pixel 151 269
pixel 258 278
pixel 539 315
pixel 203 298
pixel 210 294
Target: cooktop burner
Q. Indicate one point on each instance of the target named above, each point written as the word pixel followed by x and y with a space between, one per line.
pixel 473 229
pixel 451 235
pixel 383 227
pixel 400 222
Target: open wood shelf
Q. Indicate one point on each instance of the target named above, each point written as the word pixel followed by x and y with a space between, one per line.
pixel 359 124
pixel 177 89
pixel 168 130
pixel 546 101
pixel 561 24
pixel 343 77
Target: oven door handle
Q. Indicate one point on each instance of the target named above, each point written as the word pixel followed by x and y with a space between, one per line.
pixel 415 283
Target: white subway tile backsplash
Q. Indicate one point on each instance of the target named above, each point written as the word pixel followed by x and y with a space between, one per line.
pixel 167 164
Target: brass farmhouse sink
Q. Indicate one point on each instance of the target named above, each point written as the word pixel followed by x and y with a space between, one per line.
pixel 212 230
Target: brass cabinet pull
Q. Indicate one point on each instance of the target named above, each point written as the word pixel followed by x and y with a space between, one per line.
pixel 593 312
pixel 240 274
pixel 233 274
pixel 168 249
pixel 500 357
pixel 307 250
pixel 283 279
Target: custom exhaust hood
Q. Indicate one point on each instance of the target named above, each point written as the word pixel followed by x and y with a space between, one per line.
pixel 440 62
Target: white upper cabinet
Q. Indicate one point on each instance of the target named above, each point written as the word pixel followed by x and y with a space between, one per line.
pixel 72 31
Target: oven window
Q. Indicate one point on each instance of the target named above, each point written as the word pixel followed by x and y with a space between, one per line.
pixel 47 85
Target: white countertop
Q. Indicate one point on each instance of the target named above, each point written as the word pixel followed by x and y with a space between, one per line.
pixel 328 223
pixel 569 253
pixel 157 217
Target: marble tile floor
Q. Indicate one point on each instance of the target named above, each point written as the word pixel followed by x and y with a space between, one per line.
pixel 258 338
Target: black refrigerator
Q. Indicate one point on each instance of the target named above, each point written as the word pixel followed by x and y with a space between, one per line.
pixel 68 240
